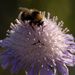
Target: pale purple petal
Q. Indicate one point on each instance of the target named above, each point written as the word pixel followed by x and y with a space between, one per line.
pixel 16 66
pixel 34 70
pixel 62 68
pixel 44 71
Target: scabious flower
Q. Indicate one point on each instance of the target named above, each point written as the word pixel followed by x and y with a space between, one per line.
pixel 46 50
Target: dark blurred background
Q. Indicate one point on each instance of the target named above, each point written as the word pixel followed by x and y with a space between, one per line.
pixel 64 9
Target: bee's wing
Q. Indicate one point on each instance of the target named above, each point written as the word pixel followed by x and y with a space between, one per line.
pixel 24 9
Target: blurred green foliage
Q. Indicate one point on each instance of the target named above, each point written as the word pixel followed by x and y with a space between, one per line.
pixel 64 9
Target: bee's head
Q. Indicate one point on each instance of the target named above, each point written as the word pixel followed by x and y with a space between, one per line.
pixel 24 16
pixel 24 13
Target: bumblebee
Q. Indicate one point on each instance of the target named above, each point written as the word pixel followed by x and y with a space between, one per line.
pixel 33 16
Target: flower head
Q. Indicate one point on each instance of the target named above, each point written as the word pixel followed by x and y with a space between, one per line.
pixel 44 49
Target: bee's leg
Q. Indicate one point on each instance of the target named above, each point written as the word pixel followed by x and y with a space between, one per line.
pixel 32 24
pixel 40 23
